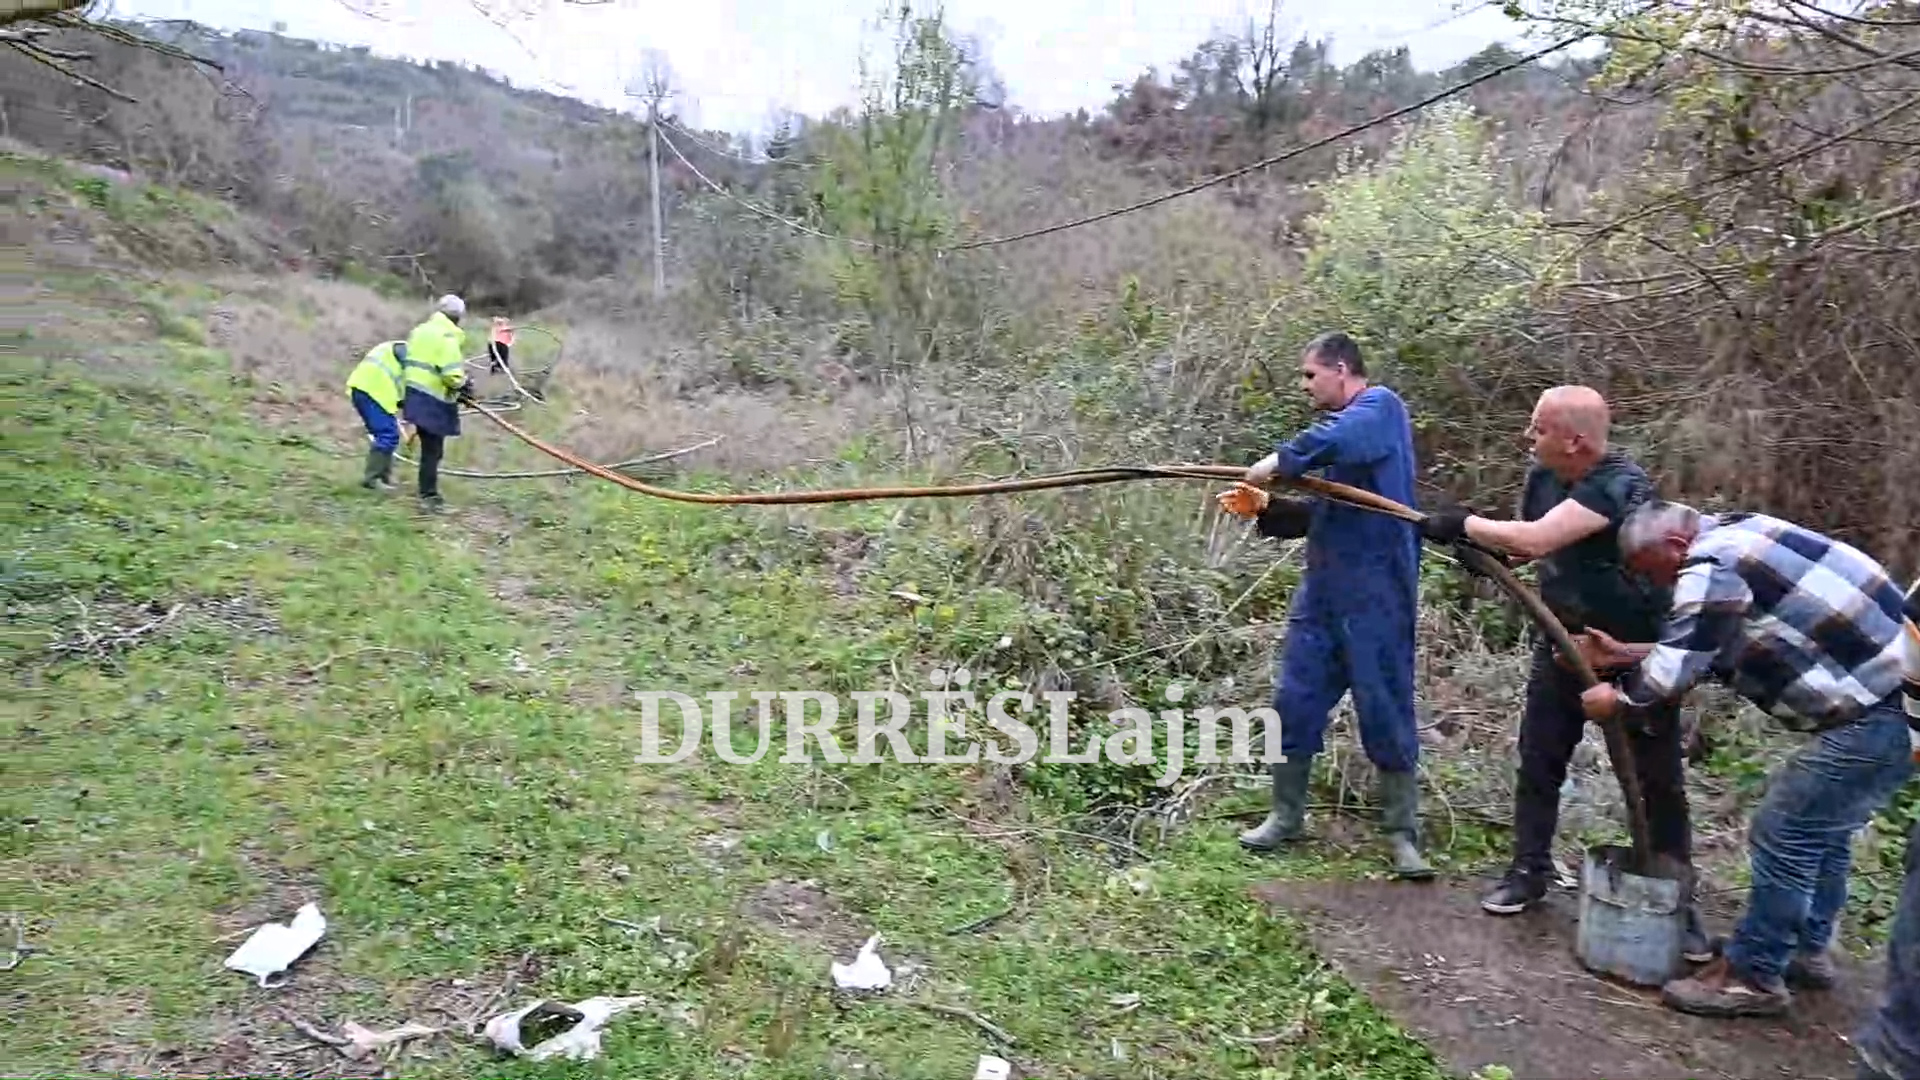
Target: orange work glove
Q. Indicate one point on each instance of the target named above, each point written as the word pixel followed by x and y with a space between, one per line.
pixel 1244 500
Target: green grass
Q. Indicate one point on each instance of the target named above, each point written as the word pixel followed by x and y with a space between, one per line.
pixel 425 724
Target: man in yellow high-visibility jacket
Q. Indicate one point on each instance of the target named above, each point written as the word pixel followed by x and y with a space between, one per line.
pixel 376 386
pixel 436 384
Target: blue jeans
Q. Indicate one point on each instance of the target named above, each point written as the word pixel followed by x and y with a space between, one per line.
pixel 381 424
pixel 1801 837
pixel 1891 1036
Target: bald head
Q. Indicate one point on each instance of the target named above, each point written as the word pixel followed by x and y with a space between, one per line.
pixel 1576 410
pixel 1569 429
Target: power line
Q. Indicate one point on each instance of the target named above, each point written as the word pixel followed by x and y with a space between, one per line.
pixel 1169 196
pixel 1455 17
pixel 761 210
pixel 1285 155
pixel 717 152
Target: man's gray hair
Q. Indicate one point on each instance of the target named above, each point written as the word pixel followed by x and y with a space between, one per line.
pixel 1655 520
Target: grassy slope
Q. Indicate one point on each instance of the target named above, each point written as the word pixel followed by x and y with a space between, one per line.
pixel 469 807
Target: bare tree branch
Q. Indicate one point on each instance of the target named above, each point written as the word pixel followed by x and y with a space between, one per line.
pixel 23 23
pixel 58 62
pixel 122 36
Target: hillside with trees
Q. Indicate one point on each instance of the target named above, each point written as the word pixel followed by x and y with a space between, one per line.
pixel 1517 268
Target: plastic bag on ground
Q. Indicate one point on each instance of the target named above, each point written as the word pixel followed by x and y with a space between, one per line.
pixel 581 1042
pixel 274 947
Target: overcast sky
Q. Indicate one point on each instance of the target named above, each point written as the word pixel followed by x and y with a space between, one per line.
pixel 737 61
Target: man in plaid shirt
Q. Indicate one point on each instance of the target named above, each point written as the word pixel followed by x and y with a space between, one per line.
pixel 1810 630
pixel 1889 1042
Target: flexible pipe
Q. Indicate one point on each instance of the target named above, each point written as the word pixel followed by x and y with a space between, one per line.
pixel 1478 559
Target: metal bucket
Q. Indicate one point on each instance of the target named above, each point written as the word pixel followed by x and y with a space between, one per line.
pixel 1632 926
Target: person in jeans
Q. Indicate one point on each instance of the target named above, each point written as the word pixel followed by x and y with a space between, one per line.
pixel 1889 1042
pixel 1810 630
pixel 375 387
pixel 1576 495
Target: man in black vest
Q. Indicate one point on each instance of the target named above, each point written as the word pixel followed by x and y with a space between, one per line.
pixel 1578 492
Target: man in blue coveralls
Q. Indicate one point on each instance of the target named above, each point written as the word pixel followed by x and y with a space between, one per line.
pixel 1351 624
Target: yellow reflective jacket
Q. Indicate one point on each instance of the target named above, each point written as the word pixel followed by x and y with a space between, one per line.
pixel 378 374
pixel 434 362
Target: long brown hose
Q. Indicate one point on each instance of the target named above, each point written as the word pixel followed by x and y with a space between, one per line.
pixel 1478 559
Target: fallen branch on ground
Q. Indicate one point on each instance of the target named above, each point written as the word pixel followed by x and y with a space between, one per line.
pixel 358 1042
pixel 1290 1033
pixel 84 642
pixel 313 673
pixel 988 830
pixel 958 1013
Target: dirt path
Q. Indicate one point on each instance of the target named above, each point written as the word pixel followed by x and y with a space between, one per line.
pixel 1508 991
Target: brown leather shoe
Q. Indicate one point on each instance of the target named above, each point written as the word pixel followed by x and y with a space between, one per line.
pixel 1811 971
pixel 1717 990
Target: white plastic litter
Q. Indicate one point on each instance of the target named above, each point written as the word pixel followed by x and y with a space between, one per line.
pixel 992 1068
pixel 581 1042
pixel 274 947
pixel 866 972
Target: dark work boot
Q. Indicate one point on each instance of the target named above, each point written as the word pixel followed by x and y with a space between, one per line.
pixel 379 464
pixel 432 448
pixel 1519 890
pixel 1284 821
pixel 1400 819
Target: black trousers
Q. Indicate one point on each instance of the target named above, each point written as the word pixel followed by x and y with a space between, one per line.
pixel 1550 728
pixel 431 447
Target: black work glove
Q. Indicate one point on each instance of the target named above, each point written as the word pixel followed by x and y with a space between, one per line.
pixel 464 394
pixel 1285 519
pixel 1446 526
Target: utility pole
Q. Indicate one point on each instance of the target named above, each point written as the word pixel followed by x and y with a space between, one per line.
pixel 659 231
pixel 653 82
pixel 402 123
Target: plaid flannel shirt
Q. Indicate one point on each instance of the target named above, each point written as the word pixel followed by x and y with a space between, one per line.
pixel 1910 662
pixel 1807 628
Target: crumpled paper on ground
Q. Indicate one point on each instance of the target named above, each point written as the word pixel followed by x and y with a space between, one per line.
pixel 274 947
pixel 867 972
pixel 581 1042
